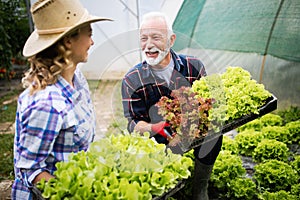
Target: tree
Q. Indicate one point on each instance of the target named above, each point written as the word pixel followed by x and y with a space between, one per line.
pixel 14 30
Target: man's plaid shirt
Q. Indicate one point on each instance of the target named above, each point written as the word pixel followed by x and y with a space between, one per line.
pixel 141 89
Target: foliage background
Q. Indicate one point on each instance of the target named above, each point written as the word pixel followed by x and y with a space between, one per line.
pixel 14 30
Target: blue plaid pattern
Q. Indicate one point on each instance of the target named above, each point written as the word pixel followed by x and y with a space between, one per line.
pixel 50 125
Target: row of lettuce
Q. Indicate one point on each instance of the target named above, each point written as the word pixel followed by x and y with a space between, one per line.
pixel 261 161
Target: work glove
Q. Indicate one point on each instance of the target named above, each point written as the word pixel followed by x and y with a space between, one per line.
pixel 163 129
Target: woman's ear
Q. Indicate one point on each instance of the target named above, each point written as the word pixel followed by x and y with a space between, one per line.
pixel 67 42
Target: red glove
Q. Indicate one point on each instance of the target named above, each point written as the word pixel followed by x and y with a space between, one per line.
pixel 159 128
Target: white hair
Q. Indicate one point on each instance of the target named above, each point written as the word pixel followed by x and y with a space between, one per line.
pixel 158 15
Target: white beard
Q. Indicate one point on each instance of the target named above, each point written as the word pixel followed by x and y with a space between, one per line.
pixel 159 58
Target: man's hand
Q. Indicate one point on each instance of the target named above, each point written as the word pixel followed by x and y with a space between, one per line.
pixel 161 129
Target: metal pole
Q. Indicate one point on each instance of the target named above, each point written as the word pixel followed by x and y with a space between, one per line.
pixel 138 22
pixel 268 42
pixel 27 2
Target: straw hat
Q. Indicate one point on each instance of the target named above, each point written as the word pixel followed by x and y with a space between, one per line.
pixel 53 19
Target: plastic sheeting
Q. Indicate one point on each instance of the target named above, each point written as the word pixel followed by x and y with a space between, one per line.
pixel 116 47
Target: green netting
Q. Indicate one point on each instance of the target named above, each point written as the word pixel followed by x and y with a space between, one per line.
pixel 265 27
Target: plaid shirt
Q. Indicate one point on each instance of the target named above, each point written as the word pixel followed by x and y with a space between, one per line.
pixel 49 126
pixel 141 89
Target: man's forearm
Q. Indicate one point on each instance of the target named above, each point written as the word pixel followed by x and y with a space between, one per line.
pixel 143 127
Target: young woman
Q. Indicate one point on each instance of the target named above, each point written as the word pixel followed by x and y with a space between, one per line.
pixel 55 115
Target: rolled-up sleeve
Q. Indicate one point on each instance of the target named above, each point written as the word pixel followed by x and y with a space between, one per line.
pixel 41 124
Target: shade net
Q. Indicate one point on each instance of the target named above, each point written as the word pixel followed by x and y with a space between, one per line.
pixel 265 27
pixel 263 37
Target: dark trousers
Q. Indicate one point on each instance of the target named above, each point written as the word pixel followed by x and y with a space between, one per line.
pixel 208 152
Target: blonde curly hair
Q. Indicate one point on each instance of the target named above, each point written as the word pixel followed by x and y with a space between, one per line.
pixel 47 65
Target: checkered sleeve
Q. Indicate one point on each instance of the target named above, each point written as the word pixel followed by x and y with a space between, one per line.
pixel 41 125
pixel 133 99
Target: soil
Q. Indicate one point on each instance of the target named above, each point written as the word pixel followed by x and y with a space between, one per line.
pixel 5 189
pixel 104 97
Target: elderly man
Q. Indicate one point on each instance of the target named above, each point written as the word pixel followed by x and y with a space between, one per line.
pixel 163 71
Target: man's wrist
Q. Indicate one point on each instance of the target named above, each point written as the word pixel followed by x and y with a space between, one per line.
pixel 150 130
pixel 143 127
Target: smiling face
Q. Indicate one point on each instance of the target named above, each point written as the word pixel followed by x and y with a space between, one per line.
pixel 156 42
pixel 80 44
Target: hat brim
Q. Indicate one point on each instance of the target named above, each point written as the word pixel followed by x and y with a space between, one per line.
pixel 37 43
